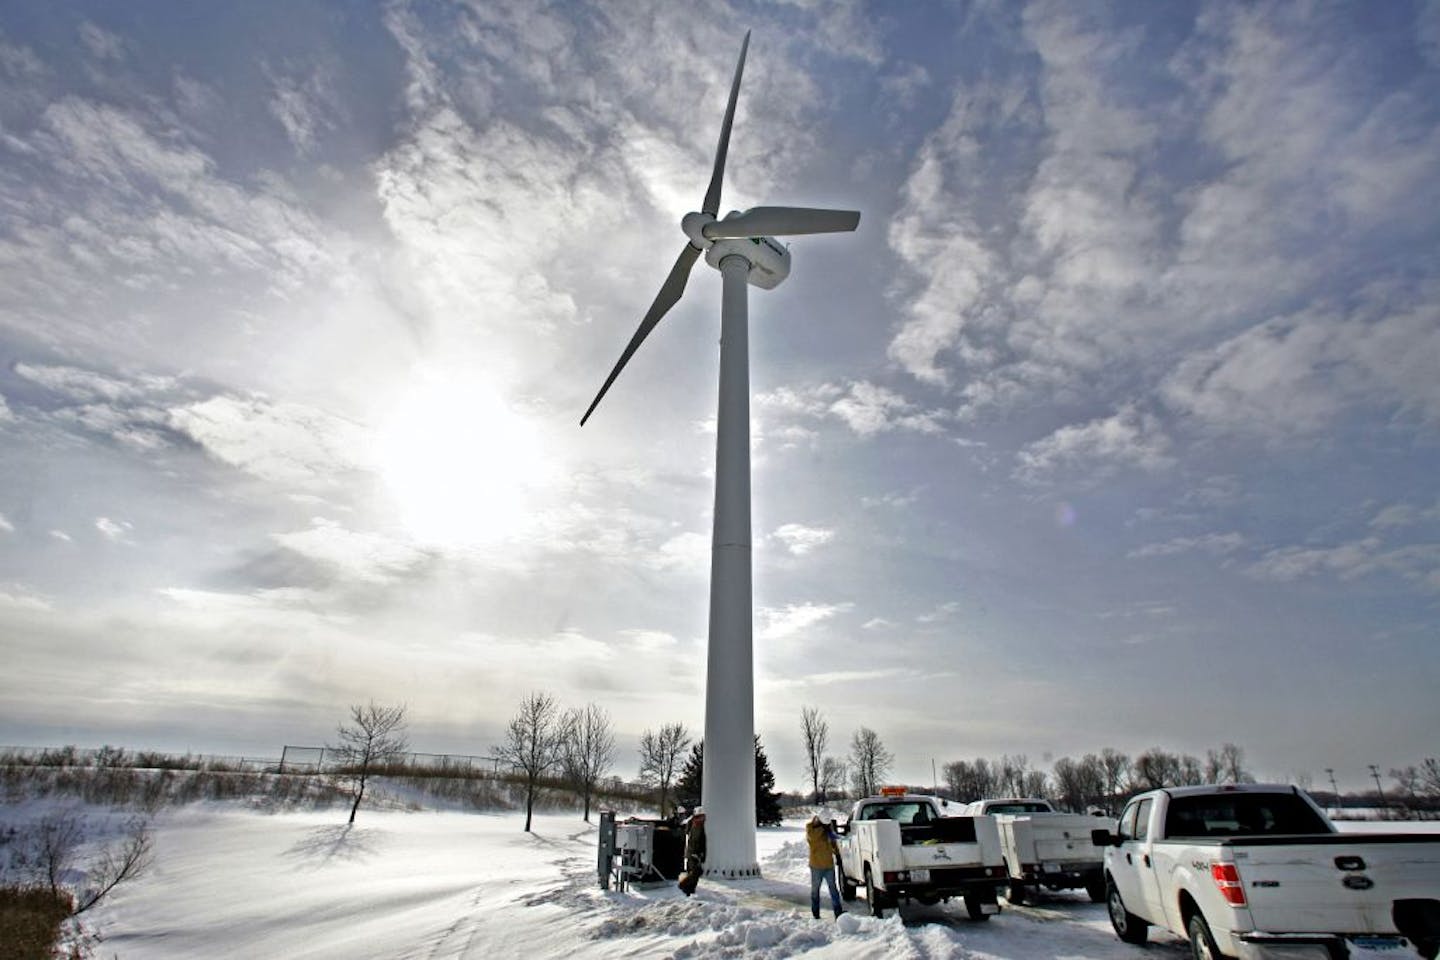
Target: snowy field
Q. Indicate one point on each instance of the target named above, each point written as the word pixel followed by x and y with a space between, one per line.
pixel 229 880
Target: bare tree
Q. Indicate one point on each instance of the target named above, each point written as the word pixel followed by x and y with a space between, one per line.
pixel 1078 783
pixel 870 762
pixel 1036 783
pixel 832 776
pixel 660 757
pixel 1156 768
pixel 1116 767
pixel 374 737
pixel 1430 777
pixel 1226 765
pixel 533 743
pixel 54 844
pixel 589 749
pixel 816 733
pixel 1012 774
pixel 971 781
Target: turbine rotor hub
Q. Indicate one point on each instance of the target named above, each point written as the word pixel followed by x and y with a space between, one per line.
pixel 694 225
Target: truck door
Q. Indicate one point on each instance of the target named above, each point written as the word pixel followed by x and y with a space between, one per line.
pixel 1135 879
pixel 1154 907
pixel 1125 878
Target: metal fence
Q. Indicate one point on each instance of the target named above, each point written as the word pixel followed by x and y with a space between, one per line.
pixel 301 759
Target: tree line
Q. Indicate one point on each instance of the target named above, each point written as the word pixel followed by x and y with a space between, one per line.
pixel 544 742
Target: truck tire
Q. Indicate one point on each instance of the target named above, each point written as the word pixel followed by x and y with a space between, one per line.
pixel 1202 944
pixel 1095 887
pixel 1015 892
pixel 975 907
pixel 1128 927
pixel 873 898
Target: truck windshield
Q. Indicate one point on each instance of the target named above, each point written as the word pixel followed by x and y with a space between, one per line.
pixel 1241 815
pixel 903 813
pixel 1021 807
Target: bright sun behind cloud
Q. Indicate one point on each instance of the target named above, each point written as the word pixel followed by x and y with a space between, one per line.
pixel 461 465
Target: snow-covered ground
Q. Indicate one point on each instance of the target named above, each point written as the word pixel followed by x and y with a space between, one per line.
pixel 230 880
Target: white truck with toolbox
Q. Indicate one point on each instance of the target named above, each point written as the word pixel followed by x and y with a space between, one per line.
pixel 907 847
pixel 1046 848
pixel 1257 871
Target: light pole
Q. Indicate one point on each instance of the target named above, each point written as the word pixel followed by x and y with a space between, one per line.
pixel 1334 790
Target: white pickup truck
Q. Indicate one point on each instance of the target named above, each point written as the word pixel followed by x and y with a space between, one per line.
pixel 1257 871
pixel 903 847
pixel 1044 847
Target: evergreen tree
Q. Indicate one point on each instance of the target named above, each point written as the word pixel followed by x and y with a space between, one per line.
pixel 767 798
pixel 688 789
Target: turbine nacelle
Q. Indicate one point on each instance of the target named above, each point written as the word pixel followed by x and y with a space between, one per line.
pixel 747 234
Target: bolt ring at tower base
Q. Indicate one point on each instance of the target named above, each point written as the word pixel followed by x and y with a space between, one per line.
pixel 734 873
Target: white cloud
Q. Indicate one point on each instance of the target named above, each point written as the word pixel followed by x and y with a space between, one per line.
pixel 367 557
pixel 1405 515
pixel 1215 544
pixel 62 536
pixel 5 525
pixel 866 408
pixel 1293 376
pixel 875 623
pixel 101 43
pixel 800 539
pixel 286 443
pixel 303 106
pixel 943 612
pixel 1419 563
pixel 869 409
pixel 15 597
pixel 6 414
pixel 82 386
pixel 112 529
pixel 1100 448
pixel 685 551
pixel 780 623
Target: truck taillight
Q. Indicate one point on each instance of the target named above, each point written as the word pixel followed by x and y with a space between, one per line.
pixel 1227 879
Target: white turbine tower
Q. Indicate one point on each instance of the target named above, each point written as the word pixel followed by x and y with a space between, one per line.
pixel 741 249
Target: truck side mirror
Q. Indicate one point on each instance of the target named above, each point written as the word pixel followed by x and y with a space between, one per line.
pixel 1104 838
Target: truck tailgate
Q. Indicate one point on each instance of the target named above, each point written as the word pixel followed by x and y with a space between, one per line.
pixel 1337 884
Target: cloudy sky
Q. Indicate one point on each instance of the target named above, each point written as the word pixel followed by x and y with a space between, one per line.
pixel 1116 423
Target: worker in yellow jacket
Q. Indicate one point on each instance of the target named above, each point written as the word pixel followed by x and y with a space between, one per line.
pixel 820 836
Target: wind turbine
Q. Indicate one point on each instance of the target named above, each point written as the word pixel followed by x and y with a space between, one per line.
pixel 741 248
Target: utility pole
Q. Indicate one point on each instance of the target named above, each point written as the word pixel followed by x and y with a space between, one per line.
pixel 1335 790
pixel 1374 772
pixel 934 779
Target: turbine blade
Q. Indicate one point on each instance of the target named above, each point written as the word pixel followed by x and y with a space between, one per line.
pixel 782 222
pixel 712 195
pixel 670 291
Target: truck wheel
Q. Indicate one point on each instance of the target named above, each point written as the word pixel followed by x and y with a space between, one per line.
pixel 1096 888
pixel 1015 893
pixel 872 896
pixel 975 907
pixel 1202 944
pixel 1128 927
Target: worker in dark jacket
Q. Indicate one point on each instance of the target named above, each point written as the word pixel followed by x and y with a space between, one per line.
pixel 821 838
pixel 694 851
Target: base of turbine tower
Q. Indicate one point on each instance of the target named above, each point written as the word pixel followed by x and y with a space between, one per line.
pixel 752 872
